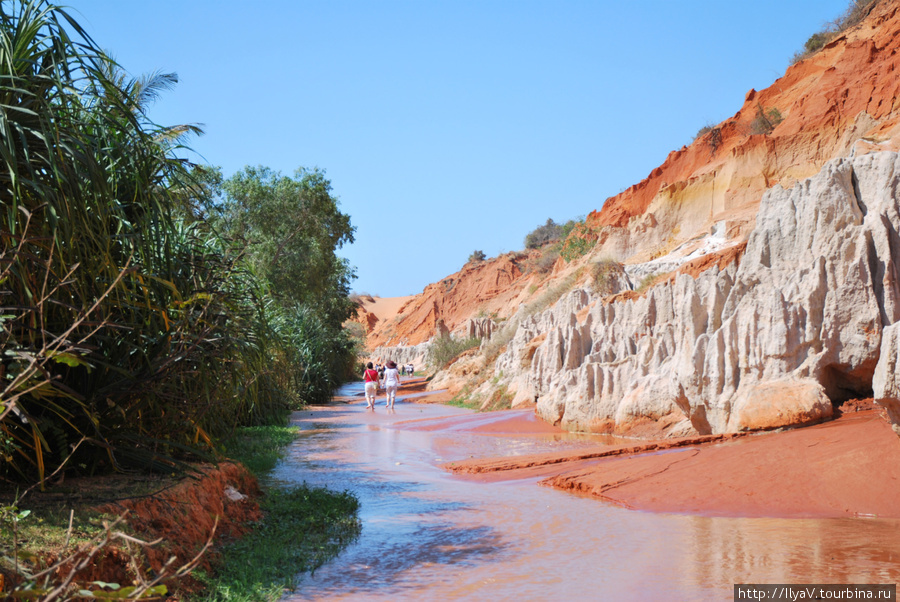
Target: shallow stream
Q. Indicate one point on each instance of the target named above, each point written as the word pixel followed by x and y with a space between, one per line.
pixel 431 535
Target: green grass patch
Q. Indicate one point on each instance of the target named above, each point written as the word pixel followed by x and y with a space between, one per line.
pixel 469 404
pixel 39 527
pixel 465 399
pixel 302 528
pixel 260 447
pixel 500 399
pixel 38 522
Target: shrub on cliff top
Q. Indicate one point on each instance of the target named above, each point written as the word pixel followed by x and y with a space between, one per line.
pixel 853 14
pixel 704 130
pixel 542 235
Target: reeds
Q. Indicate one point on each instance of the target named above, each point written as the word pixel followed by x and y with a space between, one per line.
pixel 131 332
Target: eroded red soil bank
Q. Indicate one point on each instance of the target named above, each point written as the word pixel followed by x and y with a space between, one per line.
pixel 847 467
pixel 183 516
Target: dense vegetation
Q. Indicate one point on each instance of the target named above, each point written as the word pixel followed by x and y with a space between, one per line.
pixel 148 307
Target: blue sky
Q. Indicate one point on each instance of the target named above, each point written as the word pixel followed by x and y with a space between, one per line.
pixel 449 126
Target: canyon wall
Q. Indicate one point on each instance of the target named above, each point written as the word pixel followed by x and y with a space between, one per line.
pixel 842 99
pixel 773 250
pixel 772 340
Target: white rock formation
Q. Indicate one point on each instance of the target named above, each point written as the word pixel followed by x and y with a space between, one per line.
pixel 770 342
pixel 418 355
pixel 886 381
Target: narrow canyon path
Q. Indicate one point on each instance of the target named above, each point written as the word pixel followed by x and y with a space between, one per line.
pixel 433 535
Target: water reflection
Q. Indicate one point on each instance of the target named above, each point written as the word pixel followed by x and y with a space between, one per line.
pixel 430 535
pixel 794 550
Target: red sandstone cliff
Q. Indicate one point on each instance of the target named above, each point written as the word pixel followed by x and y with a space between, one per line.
pixel 843 100
pixel 484 287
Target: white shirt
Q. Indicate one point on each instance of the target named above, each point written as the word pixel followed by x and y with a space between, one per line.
pixel 391 377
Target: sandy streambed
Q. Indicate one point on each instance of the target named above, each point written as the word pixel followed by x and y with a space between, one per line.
pixel 847 467
pixel 432 534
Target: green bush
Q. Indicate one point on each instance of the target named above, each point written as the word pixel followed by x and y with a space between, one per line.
pixel 577 244
pixel 817 41
pixel 765 120
pixel 446 349
pixel 542 235
pixel 147 316
pixel 477 256
pixel 604 276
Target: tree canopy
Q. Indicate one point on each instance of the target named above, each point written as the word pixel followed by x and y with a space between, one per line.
pixel 148 307
pixel 292 227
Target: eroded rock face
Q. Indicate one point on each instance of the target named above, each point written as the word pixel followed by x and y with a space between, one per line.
pixel 886 380
pixel 769 342
pixel 418 355
pixel 480 328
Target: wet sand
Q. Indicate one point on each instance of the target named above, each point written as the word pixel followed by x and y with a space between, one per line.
pixel 849 467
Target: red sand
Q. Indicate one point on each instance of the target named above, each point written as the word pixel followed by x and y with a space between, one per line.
pixel 847 467
pixel 506 422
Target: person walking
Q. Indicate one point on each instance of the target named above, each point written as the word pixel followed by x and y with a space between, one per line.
pixel 371 378
pixel 391 383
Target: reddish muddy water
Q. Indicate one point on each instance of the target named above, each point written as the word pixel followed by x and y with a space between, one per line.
pixel 431 535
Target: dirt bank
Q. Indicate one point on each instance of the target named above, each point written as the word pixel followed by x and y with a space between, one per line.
pixel 184 515
pixel 846 467
pixel 179 510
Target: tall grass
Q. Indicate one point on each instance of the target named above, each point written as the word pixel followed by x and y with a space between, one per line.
pixel 446 349
pixel 132 332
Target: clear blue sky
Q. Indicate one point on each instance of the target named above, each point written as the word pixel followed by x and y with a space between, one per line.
pixel 453 125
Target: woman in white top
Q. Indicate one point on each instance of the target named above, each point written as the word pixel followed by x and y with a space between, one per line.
pixel 391 383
